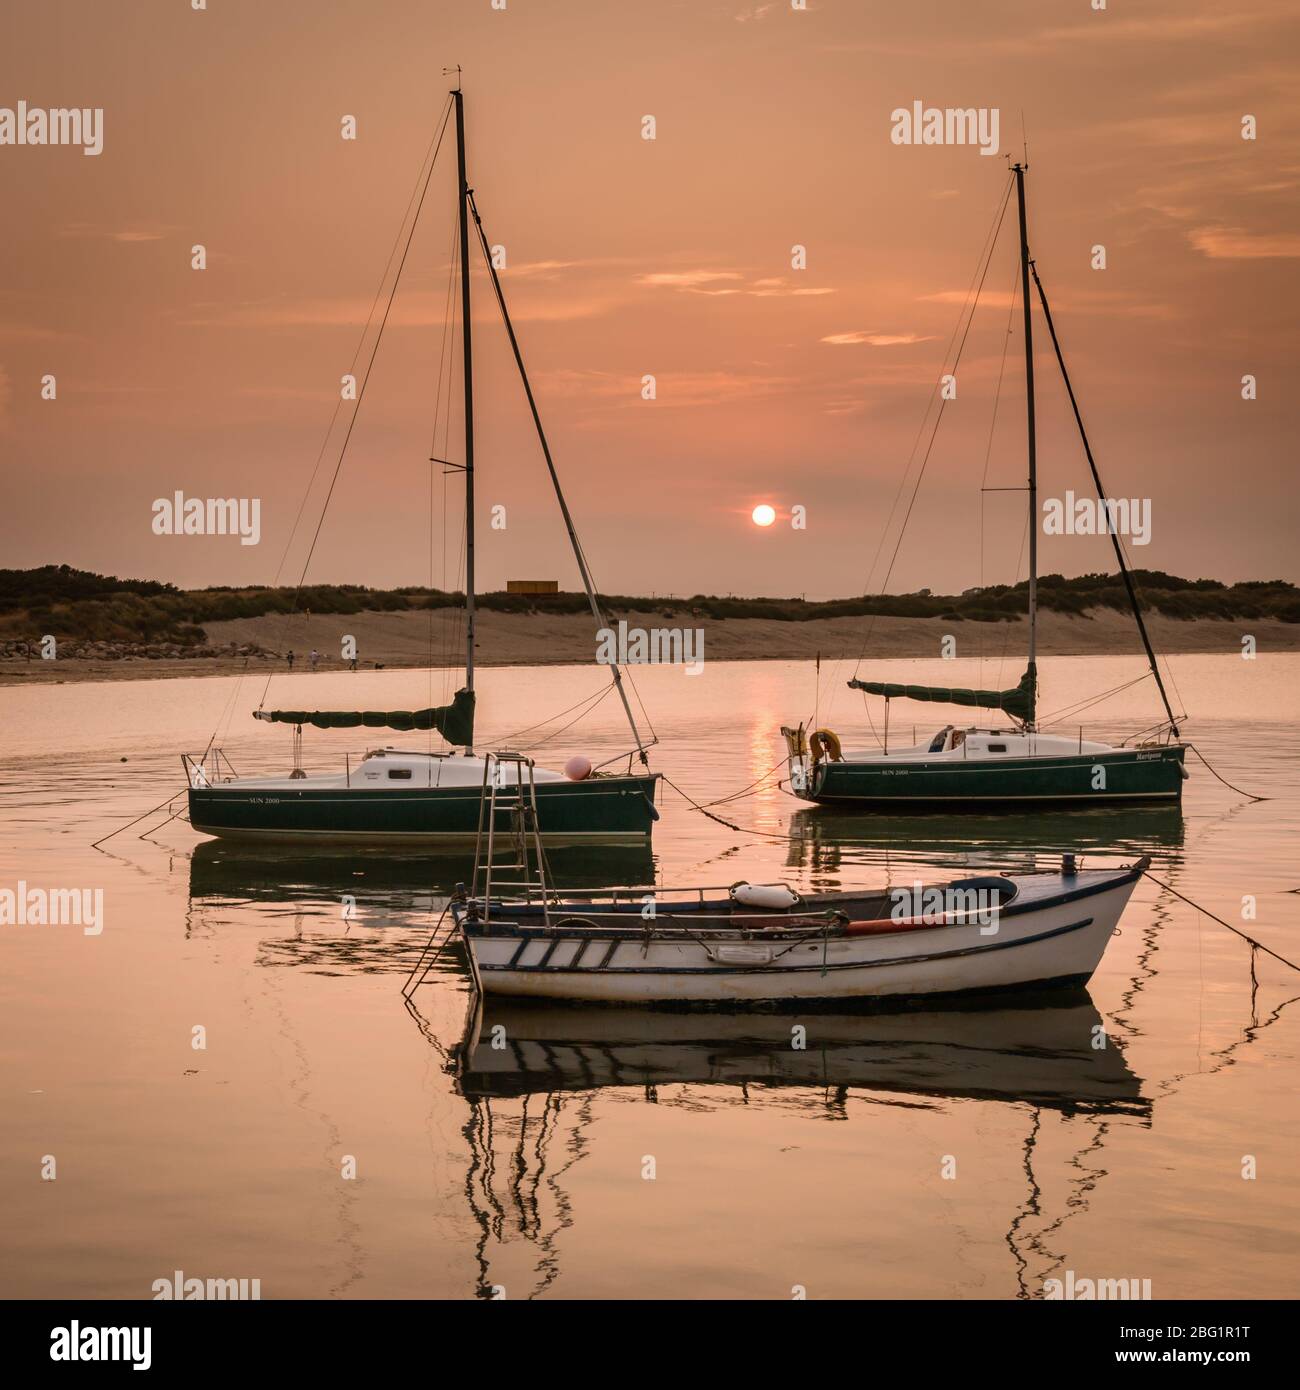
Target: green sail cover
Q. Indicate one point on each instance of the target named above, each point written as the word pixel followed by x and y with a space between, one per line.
pixel 1018 702
pixel 455 722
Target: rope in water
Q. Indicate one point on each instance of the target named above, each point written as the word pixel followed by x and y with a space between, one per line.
pixel 1236 931
pixel 95 844
pixel 731 825
pixel 1224 780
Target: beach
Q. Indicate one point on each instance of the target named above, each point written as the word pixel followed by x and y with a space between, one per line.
pixel 406 639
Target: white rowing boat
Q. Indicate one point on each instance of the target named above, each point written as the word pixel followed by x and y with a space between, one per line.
pixel 766 945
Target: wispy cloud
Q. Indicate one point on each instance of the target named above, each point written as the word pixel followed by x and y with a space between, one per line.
pixel 416 309
pixel 26 332
pixel 687 279
pixel 779 287
pixel 545 270
pixel 90 231
pixel 709 282
pixel 1237 244
pixel 673 389
pixel 861 337
pixel 995 299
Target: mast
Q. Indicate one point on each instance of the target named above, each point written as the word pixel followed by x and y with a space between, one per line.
pixel 468 354
pixel 1033 434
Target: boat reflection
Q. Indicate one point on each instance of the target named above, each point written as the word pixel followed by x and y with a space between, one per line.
pixel 533 1079
pixel 1043 1054
pixel 825 842
pixel 227 871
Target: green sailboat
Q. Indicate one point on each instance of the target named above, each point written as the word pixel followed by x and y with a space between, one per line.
pixel 404 797
pixel 983 768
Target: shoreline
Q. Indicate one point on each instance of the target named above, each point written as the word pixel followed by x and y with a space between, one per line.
pixel 401 641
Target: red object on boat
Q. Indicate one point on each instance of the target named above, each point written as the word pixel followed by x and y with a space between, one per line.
pixel 880 926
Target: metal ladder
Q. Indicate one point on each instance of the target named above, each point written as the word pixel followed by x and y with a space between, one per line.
pixel 524 872
pixel 522 839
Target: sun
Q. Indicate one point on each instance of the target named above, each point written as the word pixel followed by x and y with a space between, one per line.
pixel 763 515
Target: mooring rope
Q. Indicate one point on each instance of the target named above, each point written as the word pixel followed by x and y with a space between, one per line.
pixel 95 844
pixel 1236 931
pixel 1224 780
pixel 731 825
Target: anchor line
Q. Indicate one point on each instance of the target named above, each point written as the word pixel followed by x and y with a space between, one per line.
pixel 731 825
pixel 1236 931
pixel 1240 791
pixel 95 844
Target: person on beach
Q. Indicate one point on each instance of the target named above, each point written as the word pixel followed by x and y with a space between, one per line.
pixel 289 658
pixel 314 658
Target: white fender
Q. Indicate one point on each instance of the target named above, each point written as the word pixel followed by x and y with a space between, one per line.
pixel 773 895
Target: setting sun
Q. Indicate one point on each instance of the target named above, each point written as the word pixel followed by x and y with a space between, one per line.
pixel 763 515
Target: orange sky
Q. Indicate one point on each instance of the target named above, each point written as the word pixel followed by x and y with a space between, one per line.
pixel 670 257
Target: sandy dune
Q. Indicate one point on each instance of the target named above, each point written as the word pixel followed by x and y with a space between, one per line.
pixel 403 639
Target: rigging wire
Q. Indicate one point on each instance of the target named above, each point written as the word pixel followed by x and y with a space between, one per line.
pixel 968 315
pixel 934 434
pixel 580 554
pixel 1058 716
pixel 591 701
pixel 365 380
pixel 577 719
pixel 1120 553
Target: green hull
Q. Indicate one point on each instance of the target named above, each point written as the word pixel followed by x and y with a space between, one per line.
pixel 601 810
pixel 1126 775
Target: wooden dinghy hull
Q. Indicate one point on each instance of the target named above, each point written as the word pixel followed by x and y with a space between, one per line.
pixel 1051 934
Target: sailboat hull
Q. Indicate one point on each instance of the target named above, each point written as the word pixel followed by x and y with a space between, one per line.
pixel 1088 779
pixel 602 810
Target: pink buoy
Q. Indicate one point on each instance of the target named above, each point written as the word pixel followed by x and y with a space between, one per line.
pixel 578 768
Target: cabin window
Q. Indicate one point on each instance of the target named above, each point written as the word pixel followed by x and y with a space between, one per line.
pixel 399 774
pixel 993 748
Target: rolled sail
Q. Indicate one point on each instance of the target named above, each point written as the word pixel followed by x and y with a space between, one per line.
pixel 1017 702
pixel 455 722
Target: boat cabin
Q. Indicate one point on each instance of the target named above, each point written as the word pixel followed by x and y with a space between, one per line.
pixel 400 767
pixel 953 744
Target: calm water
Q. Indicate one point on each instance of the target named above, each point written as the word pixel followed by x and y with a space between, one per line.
pixel 524 1168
